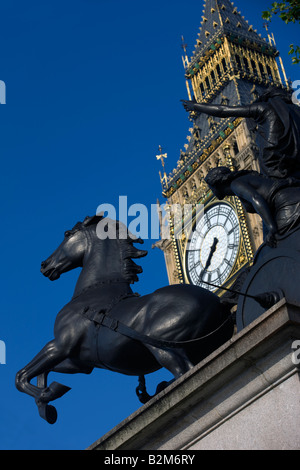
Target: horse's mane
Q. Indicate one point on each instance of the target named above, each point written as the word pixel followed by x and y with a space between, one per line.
pixel 130 269
pixel 128 251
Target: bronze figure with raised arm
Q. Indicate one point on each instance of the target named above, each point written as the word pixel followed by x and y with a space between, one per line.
pixel 277 121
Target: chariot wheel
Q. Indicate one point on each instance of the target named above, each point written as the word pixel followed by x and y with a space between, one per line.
pixel 278 271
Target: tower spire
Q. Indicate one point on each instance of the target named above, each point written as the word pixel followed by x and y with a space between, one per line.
pixel 222 17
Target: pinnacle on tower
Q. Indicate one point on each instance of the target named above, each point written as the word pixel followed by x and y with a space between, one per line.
pixel 221 17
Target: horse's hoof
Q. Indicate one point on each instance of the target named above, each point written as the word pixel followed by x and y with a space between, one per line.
pixel 47 412
pixel 143 397
pixel 161 386
pixel 58 390
pixel 54 391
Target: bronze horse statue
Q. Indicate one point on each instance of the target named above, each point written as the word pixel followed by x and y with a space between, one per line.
pixel 106 325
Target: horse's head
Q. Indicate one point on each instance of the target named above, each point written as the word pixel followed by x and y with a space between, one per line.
pixel 85 245
pixel 71 251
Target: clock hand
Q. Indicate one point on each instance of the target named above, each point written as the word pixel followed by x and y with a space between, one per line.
pixel 212 250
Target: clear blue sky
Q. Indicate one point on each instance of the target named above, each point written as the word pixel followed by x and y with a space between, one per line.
pixel 93 88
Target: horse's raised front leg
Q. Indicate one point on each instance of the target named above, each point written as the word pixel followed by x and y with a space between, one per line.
pixel 44 361
pixel 50 356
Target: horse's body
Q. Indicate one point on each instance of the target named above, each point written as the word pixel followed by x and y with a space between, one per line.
pixel 82 341
pixel 168 313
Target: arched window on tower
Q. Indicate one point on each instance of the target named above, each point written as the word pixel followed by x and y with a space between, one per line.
pixel 269 72
pixel 253 65
pixel 213 77
pixel 235 148
pixel 224 64
pixel 246 64
pixel 207 84
pixel 202 90
pixel 218 71
pixel 238 61
pixel 262 70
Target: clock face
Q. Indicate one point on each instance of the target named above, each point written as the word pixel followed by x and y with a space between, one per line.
pixel 213 247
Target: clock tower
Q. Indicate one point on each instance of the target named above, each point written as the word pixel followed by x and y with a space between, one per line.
pixel 231 64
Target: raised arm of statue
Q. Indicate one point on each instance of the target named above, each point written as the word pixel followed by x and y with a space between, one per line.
pixel 219 110
pixel 277 121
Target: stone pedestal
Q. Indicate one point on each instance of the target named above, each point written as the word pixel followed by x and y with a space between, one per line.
pixel 243 396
